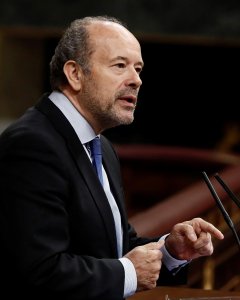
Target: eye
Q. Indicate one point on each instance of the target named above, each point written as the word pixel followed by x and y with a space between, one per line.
pixel 138 70
pixel 120 65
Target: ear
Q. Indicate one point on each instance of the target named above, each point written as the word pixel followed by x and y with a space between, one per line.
pixel 73 73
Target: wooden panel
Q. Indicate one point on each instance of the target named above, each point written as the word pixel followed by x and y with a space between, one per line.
pixel 160 293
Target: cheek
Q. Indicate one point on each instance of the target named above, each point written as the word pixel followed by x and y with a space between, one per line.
pixel 105 86
pixel 107 91
pixel 107 78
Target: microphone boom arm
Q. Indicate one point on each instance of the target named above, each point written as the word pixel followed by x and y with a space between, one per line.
pixel 220 205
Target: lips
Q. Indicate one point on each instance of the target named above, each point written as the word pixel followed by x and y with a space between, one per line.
pixel 131 99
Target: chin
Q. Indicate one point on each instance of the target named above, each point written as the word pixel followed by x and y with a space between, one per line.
pixel 122 118
pixel 127 121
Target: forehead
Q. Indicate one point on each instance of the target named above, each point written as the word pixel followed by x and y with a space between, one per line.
pixel 113 39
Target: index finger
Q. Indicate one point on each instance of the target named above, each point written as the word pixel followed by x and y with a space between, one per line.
pixel 206 227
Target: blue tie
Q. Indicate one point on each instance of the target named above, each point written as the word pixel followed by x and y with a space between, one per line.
pixel 94 148
pixel 96 153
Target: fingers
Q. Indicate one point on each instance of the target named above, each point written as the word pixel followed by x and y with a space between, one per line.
pixel 203 246
pixel 191 239
pixel 147 262
pixel 153 251
pixel 200 225
pixel 203 239
pixel 185 230
pixel 154 245
pixel 208 227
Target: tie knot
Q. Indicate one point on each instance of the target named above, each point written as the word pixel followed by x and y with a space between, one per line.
pixel 95 146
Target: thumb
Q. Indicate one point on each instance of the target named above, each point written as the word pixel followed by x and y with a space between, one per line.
pixel 155 245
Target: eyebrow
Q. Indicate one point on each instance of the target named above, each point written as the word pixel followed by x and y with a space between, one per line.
pixel 141 63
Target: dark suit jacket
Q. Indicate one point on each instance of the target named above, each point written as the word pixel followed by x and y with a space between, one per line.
pixel 57 231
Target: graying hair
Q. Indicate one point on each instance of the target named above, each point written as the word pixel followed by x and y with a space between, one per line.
pixel 74 45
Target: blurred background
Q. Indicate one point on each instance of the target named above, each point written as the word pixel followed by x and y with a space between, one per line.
pixel 187 118
pixel 191 54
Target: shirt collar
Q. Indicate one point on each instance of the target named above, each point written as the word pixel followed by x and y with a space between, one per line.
pixel 82 128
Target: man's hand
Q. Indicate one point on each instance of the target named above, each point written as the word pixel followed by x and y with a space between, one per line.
pixel 147 262
pixel 192 239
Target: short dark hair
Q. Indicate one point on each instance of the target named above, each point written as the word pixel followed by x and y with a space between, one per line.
pixel 74 45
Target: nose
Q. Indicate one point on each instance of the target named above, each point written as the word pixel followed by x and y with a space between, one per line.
pixel 134 79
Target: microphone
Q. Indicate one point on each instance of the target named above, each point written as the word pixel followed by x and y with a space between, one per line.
pixel 227 189
pixel 226 217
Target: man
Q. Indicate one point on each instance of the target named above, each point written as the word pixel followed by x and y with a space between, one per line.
pixel 64 234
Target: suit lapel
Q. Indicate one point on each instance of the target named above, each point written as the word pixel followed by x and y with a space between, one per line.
pixel 84 165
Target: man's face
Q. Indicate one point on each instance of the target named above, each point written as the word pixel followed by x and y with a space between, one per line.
pixel 109 94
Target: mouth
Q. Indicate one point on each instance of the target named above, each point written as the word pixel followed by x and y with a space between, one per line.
pixel 129 100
